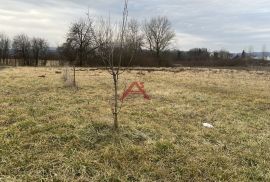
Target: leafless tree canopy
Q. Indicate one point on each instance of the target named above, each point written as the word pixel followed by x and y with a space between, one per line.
pixel 100 39
pixel 80 39
pixel 99 42
pixel 106 40
pixel 4 48
pixel 39 48
pixel 30 51
pixel 158 33
pixel 134 36
pixel 22 47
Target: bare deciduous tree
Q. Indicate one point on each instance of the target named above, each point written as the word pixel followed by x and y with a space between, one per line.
pixel 158 34
pixel 39 48
pixel 111 43
pixel 22 47
pixel 134 37
pixel 80 38
pixel 4 48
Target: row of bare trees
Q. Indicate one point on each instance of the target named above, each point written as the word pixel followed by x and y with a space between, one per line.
pixel 29 51
pixel 4 48
pixel 87 35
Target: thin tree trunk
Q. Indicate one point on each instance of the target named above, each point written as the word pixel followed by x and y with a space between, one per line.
pixel 115 114
pixel 74 75
pixel 36 62
pixel 158 57
pixel 81 57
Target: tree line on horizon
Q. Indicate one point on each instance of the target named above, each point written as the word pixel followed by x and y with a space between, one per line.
pixel 148 43
pixel 152 37
pixel 29 51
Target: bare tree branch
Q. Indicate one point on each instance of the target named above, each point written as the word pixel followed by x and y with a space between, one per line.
pixel 111 42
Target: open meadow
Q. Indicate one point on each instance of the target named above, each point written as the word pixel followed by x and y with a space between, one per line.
pixel 50 131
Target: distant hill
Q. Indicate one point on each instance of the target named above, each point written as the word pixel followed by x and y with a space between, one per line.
pixel 254 54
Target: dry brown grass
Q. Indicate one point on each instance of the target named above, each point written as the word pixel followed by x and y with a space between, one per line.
pixel 50 132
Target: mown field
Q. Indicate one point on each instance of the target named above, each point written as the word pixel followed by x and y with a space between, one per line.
pixel 52 132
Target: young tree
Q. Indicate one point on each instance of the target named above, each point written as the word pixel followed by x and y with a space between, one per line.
pixel 39 48
pixel 4 48
pixel 112 43
pixel 22 47
pixel 158 33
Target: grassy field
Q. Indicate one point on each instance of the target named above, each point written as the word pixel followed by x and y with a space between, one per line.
pixel 51 132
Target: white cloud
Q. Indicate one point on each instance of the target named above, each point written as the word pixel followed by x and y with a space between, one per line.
pixel 215 24
pixel 186 41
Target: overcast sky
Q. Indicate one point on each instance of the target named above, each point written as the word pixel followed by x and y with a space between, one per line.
pixel 215 24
